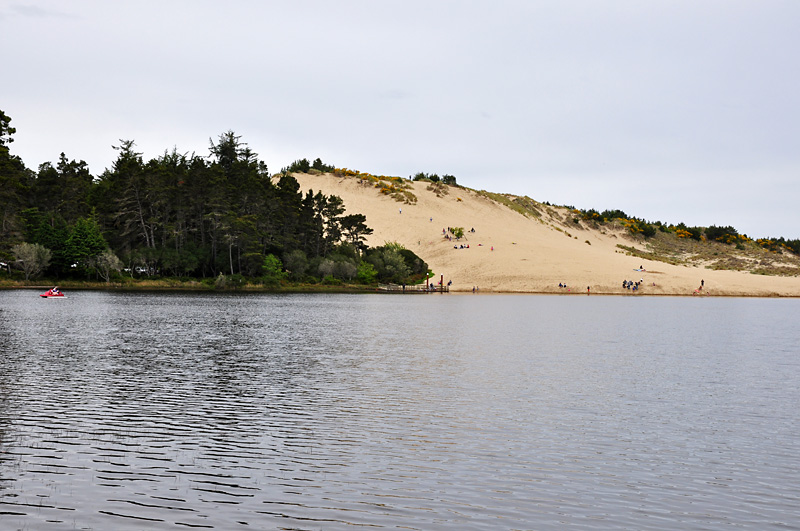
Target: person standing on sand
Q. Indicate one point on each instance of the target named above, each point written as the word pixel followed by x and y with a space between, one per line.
pixel 587 289
pixel 702 283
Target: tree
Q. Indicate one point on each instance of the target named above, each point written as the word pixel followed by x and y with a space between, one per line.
pixel 330 209
pixel 355 230
pixel 106 263
pixel 389 262
pixel 33 257
pixel 415 264
pixel 64 189
pixel 50 231
pixel 345 269
pixel 122 198
pixel 228 151
pixel 394 265
pixel 85 243
pixel 296 264
pixel 298 166
pixel 320 166
pixel 14 179
pixel 5 130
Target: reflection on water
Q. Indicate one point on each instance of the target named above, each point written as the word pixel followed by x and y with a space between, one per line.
pixel 134 411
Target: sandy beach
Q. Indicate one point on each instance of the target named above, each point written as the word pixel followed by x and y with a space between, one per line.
pixel 510 252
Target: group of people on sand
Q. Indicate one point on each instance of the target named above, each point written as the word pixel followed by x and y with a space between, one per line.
pixel 631 285
pixel 449 235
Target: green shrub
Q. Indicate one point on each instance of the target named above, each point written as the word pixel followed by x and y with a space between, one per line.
pixel 273 270
pixel 366 273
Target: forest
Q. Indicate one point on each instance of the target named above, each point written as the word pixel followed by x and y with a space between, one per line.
pixel 222 218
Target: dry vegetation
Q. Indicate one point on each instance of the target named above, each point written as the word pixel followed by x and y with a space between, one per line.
pixel 669 248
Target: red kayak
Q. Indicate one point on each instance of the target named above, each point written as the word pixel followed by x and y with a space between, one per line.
pixel 49 293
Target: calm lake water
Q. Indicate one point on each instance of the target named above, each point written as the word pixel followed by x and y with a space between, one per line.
pixel 168 411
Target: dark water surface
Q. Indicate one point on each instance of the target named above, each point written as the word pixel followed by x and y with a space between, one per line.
pixel 168 411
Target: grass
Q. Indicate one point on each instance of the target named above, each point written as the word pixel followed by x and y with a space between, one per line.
pixel 438 188
pixel 173 284
pixel 668 248
pixel 633 251
pixel 524 205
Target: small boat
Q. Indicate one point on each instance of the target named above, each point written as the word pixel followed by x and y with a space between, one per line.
pixel 51 294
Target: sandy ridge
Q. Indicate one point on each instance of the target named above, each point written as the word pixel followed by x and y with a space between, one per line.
pixel 509 252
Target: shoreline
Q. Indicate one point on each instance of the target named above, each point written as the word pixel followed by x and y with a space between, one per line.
pixel 374 290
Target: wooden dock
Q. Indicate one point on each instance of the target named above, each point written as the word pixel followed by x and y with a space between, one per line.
pixel 417 288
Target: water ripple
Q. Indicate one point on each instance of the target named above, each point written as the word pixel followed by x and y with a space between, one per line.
pixel 328 412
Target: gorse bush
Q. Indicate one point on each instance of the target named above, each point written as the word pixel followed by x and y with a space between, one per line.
pixel 727 235
pixel 395 187
pixel 779 245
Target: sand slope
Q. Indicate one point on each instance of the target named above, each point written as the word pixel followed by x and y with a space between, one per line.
pixel 509 252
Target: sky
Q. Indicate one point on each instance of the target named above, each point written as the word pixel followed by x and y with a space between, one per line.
pixel 671 110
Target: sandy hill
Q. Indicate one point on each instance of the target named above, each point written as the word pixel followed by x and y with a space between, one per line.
pixel 513 252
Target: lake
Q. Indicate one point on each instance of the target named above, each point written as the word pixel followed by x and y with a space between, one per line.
pixel 440 411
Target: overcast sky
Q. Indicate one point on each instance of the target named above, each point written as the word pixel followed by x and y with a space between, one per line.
pixel 669 110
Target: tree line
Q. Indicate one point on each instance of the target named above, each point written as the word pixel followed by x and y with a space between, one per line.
pixel 184 216
pixel 725 234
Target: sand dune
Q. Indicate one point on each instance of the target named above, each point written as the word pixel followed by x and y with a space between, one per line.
pixel 509 252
